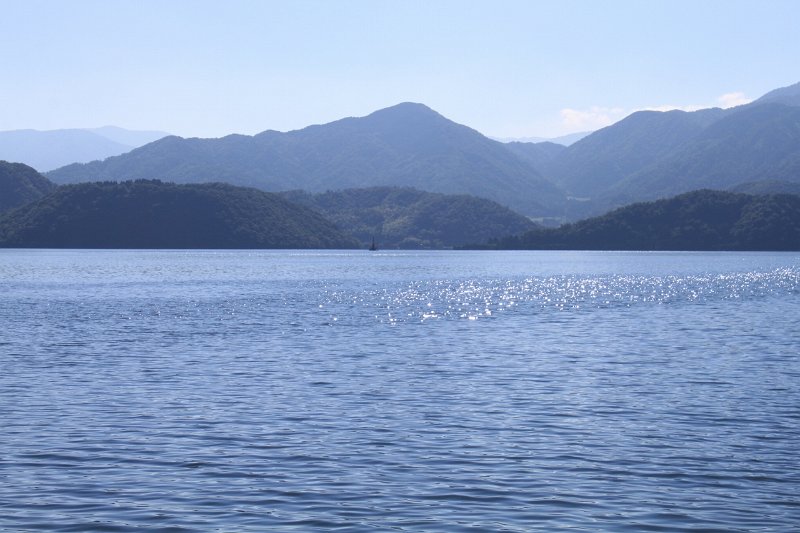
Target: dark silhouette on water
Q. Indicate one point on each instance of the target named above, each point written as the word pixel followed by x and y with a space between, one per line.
pixel 373 246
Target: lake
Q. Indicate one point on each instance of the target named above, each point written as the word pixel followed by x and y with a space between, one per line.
pixel 399 391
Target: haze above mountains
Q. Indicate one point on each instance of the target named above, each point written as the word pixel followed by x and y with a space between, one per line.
pixel 646 156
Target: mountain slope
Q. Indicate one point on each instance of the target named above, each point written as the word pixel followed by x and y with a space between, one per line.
pixel 409 218
pixel 699 220
pixel 653 154
pixel 151 214
pixel 406 145
pixel 785 95
pixel 594 164
pixel 20 184
pixel 752 144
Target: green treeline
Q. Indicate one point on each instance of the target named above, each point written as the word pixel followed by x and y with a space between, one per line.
pixel 152 214
pixel 699 220
pixel 20 184
pixel 412 219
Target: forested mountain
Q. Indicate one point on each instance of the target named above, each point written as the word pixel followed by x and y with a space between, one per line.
pixel 699 220
pixel 653 154
pixel 409 218
pixel 47 150
pixel 596 163
pixel 151 214
pixel 406 145
pixel 20 184
pixel 755 143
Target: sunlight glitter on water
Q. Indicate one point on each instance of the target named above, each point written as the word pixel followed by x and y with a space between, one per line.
pixel 474 299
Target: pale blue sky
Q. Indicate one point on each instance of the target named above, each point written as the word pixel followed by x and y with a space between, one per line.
pixel 505 68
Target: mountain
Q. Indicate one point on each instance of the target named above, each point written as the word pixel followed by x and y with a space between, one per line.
pixel 20 184
pixel 407 145
pixel 594 164
pixel 47 150
pixel 409 218
pixel 699 220
pixel 152 214
pixel 755 143
pixel 647 155
pixel 652 154
pixel 785 95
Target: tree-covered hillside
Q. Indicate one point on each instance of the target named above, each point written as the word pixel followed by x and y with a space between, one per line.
pixel 152 214
pixel 409 218
pixel 20 184
pixel 699 220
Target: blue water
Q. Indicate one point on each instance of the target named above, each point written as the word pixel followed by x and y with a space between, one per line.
pixel 394 391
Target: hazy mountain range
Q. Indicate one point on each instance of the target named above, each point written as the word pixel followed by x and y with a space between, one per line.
pixel 645 156
pixel 408 145
pixel 47 150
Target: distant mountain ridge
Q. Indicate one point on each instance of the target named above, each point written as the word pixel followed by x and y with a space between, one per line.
pixel 51 149
pixel 563 140
pixel 406 145
pixel 131 138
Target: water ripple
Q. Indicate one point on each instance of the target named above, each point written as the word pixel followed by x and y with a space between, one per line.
pixel 439 392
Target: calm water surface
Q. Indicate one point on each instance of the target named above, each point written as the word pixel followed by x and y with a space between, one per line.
pixel 393 391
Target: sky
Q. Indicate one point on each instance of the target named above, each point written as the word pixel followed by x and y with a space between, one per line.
pixel 506 68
